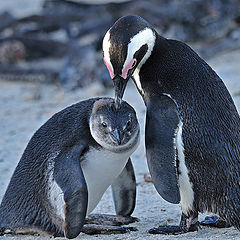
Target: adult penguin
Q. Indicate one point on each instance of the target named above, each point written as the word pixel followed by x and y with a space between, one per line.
pixel 67 166
pixel 192 125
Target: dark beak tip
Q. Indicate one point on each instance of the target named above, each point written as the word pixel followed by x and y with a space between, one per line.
pixel 118 102
pixel 117 137
pixel 119 85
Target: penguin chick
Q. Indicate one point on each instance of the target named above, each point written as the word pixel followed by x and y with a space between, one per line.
pixel 67 166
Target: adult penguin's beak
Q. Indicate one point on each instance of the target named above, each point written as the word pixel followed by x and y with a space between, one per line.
pixel 119 85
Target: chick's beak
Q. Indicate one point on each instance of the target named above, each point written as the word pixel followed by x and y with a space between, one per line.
pixel 117 136
pixel 119 85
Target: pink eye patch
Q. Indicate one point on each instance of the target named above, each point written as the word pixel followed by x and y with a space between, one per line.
pixel 110 70
pixel 128 67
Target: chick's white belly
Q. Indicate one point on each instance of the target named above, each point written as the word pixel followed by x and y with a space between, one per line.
pixel 100 169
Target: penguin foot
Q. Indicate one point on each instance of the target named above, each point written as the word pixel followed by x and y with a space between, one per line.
pixel 111 220
pixel 214 221
pixel 166 229
pixel 7 231
pixel 187 224
pixel 172 230
pixel 91 229
pixel 107 224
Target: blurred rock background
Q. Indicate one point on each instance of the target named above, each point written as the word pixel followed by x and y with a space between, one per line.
pixel 59 41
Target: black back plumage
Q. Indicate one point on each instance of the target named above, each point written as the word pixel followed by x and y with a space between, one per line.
pixel 211 124
pixel 53 156
pixel 25 201
pixel 173 78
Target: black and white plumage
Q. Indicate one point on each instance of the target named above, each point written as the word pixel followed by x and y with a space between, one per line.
pixel 67 166
pixel 192 125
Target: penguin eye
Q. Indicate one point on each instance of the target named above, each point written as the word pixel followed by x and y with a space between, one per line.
pixel 104 124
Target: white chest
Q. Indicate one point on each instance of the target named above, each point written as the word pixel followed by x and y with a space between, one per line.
pixel 100 168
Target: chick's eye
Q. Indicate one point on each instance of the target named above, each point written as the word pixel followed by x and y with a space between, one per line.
pixel 104 124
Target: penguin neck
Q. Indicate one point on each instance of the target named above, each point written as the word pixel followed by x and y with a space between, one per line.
pixel 146 77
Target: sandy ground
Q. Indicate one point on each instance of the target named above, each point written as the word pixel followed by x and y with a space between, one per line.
pixel 24 107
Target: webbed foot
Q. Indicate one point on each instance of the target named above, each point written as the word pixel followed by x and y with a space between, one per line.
pixel 214 221
pixel 187 224
pixel 112 220
pixel 107 224
pixel 167 229
pixel 105 229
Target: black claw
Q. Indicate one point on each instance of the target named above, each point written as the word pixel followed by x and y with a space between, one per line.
pixel 134 219
pixel 132 229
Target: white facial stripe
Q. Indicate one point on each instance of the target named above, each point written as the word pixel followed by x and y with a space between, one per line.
pixel 145 36
pixel 136 78
pixel 106 46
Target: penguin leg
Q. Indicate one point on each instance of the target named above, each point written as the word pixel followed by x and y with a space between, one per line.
pixel 187 224
pixel 69 176
pixel 124 195
pixel 124 191
pixel 214 221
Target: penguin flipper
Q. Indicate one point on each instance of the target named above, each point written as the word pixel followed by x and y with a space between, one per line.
pixel 161 125
pixel 69 176
pixel 124 191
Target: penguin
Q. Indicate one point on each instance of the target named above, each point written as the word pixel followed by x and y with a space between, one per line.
pixel 192 132
pixel 67 166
